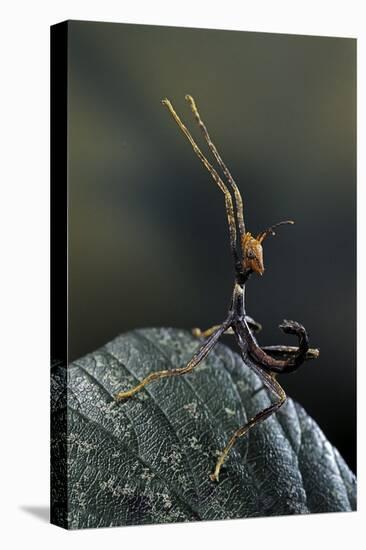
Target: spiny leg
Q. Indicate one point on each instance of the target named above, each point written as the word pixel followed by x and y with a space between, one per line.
pixel 265 360
pixel 274 386
pixel 215 176
pixel 194 362
pixel 230 179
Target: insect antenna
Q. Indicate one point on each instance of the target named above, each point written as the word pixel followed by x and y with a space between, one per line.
pixel 270 230
pixel 230 179
pixel 215 176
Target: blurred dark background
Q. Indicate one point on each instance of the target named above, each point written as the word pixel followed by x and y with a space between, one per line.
pixel 148 239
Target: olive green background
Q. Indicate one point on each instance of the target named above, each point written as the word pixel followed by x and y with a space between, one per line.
pixel 148 239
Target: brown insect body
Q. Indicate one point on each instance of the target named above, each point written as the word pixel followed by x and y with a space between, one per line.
pixel 266 361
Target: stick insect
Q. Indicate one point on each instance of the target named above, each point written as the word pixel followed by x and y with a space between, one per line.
pixel 247 253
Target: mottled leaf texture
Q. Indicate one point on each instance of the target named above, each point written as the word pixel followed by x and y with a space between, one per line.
pixel 148 459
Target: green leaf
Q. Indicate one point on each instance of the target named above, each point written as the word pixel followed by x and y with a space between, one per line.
pixel 148 459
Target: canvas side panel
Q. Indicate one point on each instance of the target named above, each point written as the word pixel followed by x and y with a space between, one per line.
pixel 59 269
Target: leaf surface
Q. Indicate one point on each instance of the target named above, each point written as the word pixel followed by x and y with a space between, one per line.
pixel 148 459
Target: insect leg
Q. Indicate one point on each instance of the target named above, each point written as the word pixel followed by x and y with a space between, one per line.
pixel 288 352
pixel 198 333
pixel 275 387
pixel 194 362
pixel 253 325
pixel 269 362
pixel 215 176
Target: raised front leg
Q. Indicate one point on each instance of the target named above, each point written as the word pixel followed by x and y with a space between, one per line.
pixel 288 352
pixel 294 358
